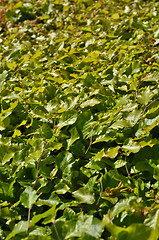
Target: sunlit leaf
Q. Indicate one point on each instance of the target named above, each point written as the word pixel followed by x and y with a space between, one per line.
pixel 75 228
pixel 67 118
pixel 53 199
pixel 21 226
pixel 131 232
pixel 48 215
pixel 152 221
pixel 17 133
pixel 115 16
pixel 84 195
pixel 145 96
pixel 112 152
pixel 132 146
pixel 79 119
pixel 28 197
pixel 74 137
pixel 90 103
pixel 120 124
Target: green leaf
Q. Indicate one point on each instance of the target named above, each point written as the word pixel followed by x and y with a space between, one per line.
pixel 120 124
pixel 28 197
pixel 119 163
pixel 135 67
pixel 84 124
pixel 103 138
pixel 98 156
pixel 34 155
pixel 39 233
pixel 7 157
pixel 145 96
pixel 134 116
pixel 84 195
pixel 20 227
pixel 49 216
pixel 133 232
pixel 67 118
pixel 53 199
pixel 2 127
pixel 79 111
pixel 11 65
pixel 112 152
pixel 3 75
pixel 115 16
pixel 123 204
pixel 61 188
pixel 75 228
pixel 16 133
pixel 47 131
pixel 91 102
pixel 74 137
pixel 95 230
pixel 63 159
pixel 89 42
pixel 115 230
pixel 132 146
pixel 152 221
pixel 156 173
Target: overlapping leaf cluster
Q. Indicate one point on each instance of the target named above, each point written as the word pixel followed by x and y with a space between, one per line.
pixel 79 114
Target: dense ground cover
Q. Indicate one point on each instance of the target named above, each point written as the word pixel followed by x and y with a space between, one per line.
pixel 79 114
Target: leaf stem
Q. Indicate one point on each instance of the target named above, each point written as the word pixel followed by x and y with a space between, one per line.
pixel 126 167
pixel 101 193
pixel 155 200
pixel 37 169
pixel 55 120
pixel 29 209
pixel 150 104
pixel 91 140
pixel 53 222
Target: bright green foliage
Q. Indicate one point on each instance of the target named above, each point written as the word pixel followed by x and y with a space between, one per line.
pixel 28 197
pixel 79 119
